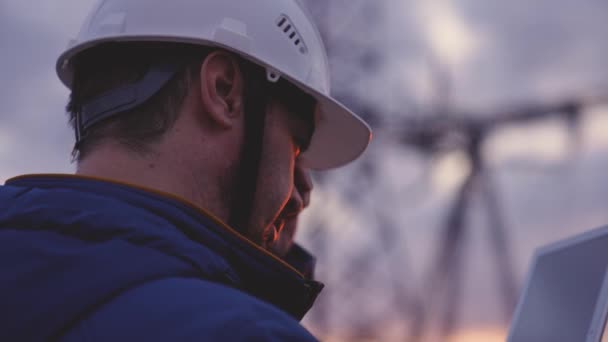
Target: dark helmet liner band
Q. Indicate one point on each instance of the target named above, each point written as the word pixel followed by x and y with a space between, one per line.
pixel 121 99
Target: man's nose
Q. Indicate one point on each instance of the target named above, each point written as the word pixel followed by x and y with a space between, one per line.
pixel 300 193
pixel 302 184
pixel 295 204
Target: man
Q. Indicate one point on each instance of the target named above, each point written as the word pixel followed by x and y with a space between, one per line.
pixel 193 120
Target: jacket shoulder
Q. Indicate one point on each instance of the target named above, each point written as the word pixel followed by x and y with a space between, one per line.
pixel 181 309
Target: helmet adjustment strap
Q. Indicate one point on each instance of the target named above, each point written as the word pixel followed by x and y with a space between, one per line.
pixel 121 99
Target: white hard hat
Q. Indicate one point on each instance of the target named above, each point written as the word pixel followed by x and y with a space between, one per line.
pixel 276 34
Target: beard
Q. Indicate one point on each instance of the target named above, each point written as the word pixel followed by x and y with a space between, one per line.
pixel 229 182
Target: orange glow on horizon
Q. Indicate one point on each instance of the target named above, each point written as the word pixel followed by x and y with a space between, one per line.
pixel 480 335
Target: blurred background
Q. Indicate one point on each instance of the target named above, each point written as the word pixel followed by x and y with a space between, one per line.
pixel 491 139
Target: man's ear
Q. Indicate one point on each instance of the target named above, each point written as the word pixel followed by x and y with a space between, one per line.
pixel 221 88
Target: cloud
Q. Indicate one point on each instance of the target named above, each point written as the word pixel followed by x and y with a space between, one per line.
pixel 449 35
pixel 33 124
pixel 534 50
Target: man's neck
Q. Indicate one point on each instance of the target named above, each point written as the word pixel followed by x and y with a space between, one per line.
pixel 160 170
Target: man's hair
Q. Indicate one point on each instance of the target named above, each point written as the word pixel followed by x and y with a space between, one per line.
pixel 112 65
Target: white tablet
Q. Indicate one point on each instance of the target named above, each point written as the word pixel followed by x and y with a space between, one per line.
pixel 566 294
pixel 598 332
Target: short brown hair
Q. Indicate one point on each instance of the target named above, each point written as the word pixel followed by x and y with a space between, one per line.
pixel 112 65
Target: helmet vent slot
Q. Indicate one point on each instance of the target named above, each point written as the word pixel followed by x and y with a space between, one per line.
pixel 290 31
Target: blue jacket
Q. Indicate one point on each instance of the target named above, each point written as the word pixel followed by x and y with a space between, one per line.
pixel 92 260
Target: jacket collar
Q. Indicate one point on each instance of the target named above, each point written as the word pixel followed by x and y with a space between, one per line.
pixel 253 269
